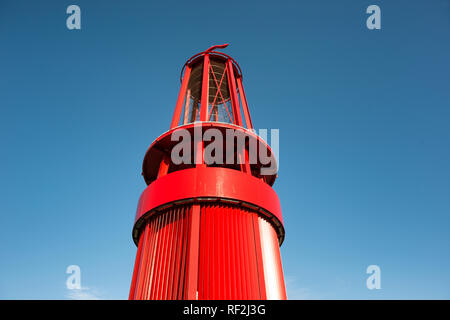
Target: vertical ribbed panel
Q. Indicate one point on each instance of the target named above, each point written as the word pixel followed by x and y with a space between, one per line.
pixel 230 263
pixel 273 271
pixel 238 255
pixel 160 266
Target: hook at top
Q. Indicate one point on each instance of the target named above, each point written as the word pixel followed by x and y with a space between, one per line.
pixel 206 52
pixel 220 46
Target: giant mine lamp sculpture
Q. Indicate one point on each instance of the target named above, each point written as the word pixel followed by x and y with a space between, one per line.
pixel 208 230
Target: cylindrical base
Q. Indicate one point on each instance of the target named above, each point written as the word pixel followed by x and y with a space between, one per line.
pixel 208 251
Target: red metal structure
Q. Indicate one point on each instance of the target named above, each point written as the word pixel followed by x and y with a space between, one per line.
pixel 208 231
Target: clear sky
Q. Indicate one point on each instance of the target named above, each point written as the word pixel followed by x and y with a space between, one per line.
pixel 364 136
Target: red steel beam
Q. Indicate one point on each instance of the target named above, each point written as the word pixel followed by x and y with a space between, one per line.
pixel 181 97
pixel 193 252
pixel 205 89
pixel 248 120
pixel 233 94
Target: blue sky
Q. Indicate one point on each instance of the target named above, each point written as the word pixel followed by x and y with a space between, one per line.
pixel 364 136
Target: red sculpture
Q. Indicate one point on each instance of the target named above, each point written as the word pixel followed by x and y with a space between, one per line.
pixel 209 229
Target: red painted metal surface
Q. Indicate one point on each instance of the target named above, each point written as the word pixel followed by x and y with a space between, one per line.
pixel 163 145
pixel 205 89
pixel 234 97
pixel 208 232
pixel 181 98
pixel 248 120
pixel 229 263
pixel 161 265
pixel 213 184
pixel 208 251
